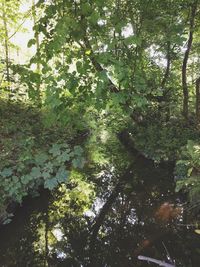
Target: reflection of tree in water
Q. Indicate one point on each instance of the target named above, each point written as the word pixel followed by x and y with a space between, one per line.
pixel 119 226
pixel 125 222
pixel 19 239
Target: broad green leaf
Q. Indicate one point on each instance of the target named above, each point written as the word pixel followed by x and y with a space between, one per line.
pixel 78 163
pixel 65 156
pixel 55 150
pixel 46 175
pixel 15 179
pixel 62 175
pixel 41 158
pixel 25 179
pixel 36 172
pixel 48 167
pixel 51 183
pixel 6 172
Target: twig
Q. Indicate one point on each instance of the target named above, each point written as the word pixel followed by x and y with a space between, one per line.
pixel 158 262
pixel 168 255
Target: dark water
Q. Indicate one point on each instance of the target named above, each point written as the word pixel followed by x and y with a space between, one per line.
pixel 122 223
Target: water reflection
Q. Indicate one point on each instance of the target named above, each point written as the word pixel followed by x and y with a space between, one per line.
pixel 106 224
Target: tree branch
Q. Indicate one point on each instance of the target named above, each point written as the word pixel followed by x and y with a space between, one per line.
pixel 198 100
pixel 167 71
pixel 185 61
pixel 158 262
pixel 98 66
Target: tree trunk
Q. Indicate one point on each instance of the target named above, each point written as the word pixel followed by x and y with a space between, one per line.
pixel 198 101
pixel 185 61
pixel 36 34
pixel 38 67
pixel 6 45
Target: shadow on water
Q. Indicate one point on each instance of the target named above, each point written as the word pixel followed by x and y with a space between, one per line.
pixel 137 213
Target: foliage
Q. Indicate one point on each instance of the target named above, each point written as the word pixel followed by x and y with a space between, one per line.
pixel 28 81
pixel 160 140
pixel 30 156
pixel 187 171
pixel 73 198
pixel 113 54
pixel 10 18
pixel 103 66
pixel 48 169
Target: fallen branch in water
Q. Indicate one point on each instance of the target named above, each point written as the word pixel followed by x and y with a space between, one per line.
pixel 160 263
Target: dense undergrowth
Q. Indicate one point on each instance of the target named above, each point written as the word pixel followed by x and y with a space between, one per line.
pixel 161 140
pixel 33 155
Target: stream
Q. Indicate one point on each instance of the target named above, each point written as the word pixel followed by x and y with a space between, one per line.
pixel 133 214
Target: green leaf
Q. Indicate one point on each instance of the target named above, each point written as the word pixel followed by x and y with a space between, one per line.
pixel 41 158
pixel 15 179
pixel 49 167
pixel 94 18
pixel 78 150
pixel 88 52
pixel 6 172
pixel 189 172
pixel 55 150
pixel 86 8
pixel 36 172
pixel 62 174
pixel 65 156
pixel 51 183
pixel 25 179
pixel 132 40
pixel 31 42
pixel 78 163
pixel 79 67
pixel 46 175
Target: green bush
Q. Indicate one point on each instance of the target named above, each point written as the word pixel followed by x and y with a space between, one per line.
pixel 161 141
pixel 187 170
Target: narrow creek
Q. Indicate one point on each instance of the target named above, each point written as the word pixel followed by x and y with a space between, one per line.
pixel 136 214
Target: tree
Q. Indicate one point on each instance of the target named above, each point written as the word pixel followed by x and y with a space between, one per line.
pixel 10 17
pixel 130 51
pixel 193 11
pixel 6 42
